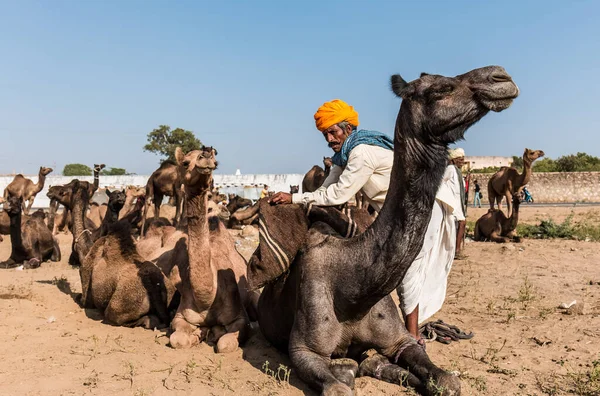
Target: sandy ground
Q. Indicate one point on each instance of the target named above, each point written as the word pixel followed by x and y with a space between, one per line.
pixel 506 294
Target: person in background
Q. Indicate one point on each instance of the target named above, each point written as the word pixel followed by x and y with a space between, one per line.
pixel 456 160
pixel 265 192
pixel 477 199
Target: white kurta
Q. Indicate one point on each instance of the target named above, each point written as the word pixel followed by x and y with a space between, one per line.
pixel 426 280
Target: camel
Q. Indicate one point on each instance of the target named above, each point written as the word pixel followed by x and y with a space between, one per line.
pixel 24 188
pixel 495 226
pixel 59 194
pixel 213 284
pixel 115 279
pixel 163 181
pixel 508 182
pixel 97 212
pixel 315 177
pixel 236 202
pixel 294 189
pixel 132 193
pixel 335 303
pixel 32 243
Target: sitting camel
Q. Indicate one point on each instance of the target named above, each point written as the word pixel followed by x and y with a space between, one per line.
pixel 508 182
pixel 115 279
pixel 31 241
pixel 236 203
pixel 24 188
pixel 315 177
pixel 496 227
pixel 213 282
pixel 335 303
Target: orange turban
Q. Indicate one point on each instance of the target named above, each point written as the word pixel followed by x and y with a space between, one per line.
pixel 334 112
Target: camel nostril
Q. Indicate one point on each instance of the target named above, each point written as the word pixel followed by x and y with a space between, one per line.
pixel 500 78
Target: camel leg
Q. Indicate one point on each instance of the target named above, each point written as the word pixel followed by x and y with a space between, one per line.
pixel 55 251
pixel 508 204
pixel 177 206
pixel 157 203
pixel 379 366
pixel 477 232
pixel 52 214
pixel 315 370
pixel 184 334
pixel 496 237
pixel 29 205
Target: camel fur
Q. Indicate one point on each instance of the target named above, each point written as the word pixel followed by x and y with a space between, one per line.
pixel 335 304
pixel 508 182
pixel 315 177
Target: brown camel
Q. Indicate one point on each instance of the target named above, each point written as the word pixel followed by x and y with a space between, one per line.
pixel 163 181
pixel 236 202
pixel 335 301
pixel 59 194
pixel 508 182
pixel 294 189
pixel 115 279
pixel 24 188
pixel 97 212
pixel 315 177
pixel 496 227
pixel 31 241
pixel 213 283
pixel 132 193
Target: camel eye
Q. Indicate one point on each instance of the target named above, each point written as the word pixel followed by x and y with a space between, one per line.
pixel 186 163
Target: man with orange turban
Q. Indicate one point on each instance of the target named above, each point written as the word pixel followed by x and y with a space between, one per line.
pixel 362 160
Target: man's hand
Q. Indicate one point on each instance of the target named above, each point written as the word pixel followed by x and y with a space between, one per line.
pixel 281 198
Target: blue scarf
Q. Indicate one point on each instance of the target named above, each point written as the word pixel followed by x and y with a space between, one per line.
pixel 363 136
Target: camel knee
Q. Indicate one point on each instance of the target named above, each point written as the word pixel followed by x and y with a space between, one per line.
pixel 228 343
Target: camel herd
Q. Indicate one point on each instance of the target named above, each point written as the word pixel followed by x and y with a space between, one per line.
pixel 331 311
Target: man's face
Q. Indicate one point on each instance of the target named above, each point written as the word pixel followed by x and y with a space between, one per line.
pixel 459 162
pixel 336 136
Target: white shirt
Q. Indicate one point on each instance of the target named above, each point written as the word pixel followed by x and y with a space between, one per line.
pixel 368 170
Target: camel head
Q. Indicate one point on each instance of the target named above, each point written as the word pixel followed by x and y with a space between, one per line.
pixel 62 194
pixel 231 196
pixel 134 191
pixel 446 107
pixel 99 167
pixel 214 209
pixel 39 214
pixel 197 166
pixel 294 189
pixel 531 155
pixel 13 205
pixel 327 162
pixel 115 198
pixel 45 171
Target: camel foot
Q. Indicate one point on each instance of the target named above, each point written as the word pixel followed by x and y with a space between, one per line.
pixel 228 343
pixel 337 389
pixel 443 383
pixel 344 370
pixel 182 340
pixel 32 263
pixel 379 366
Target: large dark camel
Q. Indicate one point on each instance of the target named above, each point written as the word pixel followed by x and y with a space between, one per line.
pixel 115 279
pixel 236 202
pixel 31 241
pixel 163 181
pixel 315 177
pixel 213 283
pixel 335 302
pixel 496 227
pixel 24 188
pixel 60 195
pixel 508 182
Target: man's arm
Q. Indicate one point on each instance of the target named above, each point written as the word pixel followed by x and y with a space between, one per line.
pixel 349 181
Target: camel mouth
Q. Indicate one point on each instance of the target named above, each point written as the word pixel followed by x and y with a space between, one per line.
pixel 500 96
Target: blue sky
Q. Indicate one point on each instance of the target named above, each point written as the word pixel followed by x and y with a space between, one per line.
pixel 85 81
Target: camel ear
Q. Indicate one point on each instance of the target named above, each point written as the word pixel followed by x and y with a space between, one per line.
pixel 179 155
pixel 399 86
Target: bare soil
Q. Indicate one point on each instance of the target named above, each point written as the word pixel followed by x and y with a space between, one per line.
pixel 508 295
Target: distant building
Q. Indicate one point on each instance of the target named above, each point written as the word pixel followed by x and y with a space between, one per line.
pixel 486 162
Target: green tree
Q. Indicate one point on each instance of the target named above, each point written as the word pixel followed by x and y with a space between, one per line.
pixel 114 172
pixel 77 170
pixel 579 162
pixel 163 141
pixel 545 165
pixel 517 162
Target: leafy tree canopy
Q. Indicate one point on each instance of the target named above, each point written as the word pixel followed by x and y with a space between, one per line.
pixel 580 162
pixel 163 141
pixel 77 170
pixel 113 172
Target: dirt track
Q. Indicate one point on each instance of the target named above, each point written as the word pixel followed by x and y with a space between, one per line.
pixel 506 294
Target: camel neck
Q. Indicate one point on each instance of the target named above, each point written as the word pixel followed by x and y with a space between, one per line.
pixel 82 242
pixel 396 237
pixel 201 272
pixel 39 186
pixel 526 174
pixel 17 249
